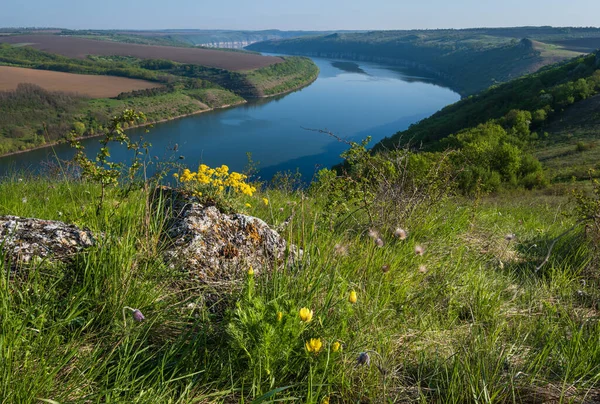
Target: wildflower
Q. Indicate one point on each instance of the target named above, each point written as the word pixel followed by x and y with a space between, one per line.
pixel 281 209
pixel 279 316
pixel 363 359
pixel 248 205
pixel 24 200
pixel 509 237
pixel 419 250
pixel 325 400
pixel 400 233
pixel 265 201
pixel 250 271
pixel 305 314
pixel 379 242
pixel 314 345
pixel 352 298
pixel 137 315
pixel 373 234
pixel 60 213
pixel 336 346
pixel 340 249
pixel 422 269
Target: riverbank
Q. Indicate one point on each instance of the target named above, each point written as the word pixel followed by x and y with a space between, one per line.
pixel 44 146
pixel 163 120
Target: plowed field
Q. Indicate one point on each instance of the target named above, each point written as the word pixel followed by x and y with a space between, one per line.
pixel 80 48
pixel 83 84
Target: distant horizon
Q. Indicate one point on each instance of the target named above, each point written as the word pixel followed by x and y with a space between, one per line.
pixel 299 30
pixel 309 15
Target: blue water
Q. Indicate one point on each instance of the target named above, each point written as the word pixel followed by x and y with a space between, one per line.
pixel 352 100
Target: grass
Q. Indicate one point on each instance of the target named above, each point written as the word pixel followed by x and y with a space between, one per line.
pixel 571 148
pixel 468 321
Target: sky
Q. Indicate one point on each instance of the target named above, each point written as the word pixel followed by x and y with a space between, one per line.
pixel 296 15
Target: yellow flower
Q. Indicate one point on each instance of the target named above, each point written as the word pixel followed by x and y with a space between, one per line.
pixel 248 205
pixel 306 315
pixel 250 271
pixel 314 345
pixel 279 316
pixel 265 201
pixel 336 346
pixel 353 297
pixel 325 400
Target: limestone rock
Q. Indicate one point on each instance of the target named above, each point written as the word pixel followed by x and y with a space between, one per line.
pixel 23 239
pixel 213 246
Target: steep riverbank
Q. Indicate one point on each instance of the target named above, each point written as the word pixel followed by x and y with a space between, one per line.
pixel 468 61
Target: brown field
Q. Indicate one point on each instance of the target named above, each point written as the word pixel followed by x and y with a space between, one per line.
pixel 83 84
pixel 80 48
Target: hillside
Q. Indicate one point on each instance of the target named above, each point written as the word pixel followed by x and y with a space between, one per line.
pixel 538 128
pixel 467 60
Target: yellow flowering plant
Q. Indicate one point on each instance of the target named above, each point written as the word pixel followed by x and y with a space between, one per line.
pixel 305 314
pixel 215 184
pixel 314 345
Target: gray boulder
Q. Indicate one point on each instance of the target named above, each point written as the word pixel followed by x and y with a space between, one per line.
pixel 24 239
pixel 213 246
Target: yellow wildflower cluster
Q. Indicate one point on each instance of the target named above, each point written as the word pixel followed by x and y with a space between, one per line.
pixel 219 179
pixel 314 345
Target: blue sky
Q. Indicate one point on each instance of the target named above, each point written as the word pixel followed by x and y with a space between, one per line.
pixel 299 14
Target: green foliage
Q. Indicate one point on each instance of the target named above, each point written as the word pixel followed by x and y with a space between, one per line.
pixel 101 170
pixel 551 89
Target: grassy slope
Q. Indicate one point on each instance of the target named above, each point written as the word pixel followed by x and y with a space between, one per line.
pixel 468 60
pixel 478 324
pixel 573 146
pixel 293 73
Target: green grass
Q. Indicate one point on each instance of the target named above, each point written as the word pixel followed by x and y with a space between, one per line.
pixel 479 325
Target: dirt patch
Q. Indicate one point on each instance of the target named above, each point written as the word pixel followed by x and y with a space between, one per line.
pixel 80 48
pixel 83 84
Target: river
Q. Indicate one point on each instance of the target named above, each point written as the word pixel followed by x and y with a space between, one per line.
pixel 353 100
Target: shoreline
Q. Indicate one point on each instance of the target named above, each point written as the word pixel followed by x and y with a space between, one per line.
pixel 44 146
pixel 17 152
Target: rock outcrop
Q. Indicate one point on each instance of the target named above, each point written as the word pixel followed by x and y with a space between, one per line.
pixel 209 245
pixel 215 246
pixel 24 239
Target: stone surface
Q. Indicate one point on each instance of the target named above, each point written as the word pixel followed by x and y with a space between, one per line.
pixel 214 247
pixel 23 239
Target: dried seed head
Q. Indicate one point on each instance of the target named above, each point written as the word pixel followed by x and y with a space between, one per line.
pixel 137 315
pixel 419 250
pixel 379 242
pixel 374 234
pixel 385 268
pixel 400 233
pixel 509 237
pixel 422 269
pixel 363 359
pixel 340 249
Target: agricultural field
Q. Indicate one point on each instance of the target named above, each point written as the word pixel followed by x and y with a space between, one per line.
pixel 80 48
pixel 93 86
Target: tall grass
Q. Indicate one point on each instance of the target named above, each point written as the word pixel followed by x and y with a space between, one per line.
pixel 470 320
